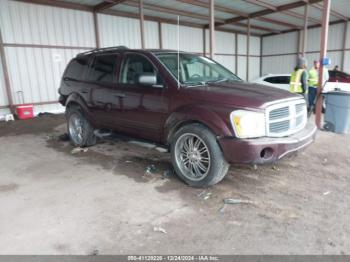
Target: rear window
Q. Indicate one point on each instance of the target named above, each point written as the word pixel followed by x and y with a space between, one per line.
pixel 103 69
pixel 76 68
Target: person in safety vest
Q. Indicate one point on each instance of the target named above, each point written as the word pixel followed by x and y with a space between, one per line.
pixel 299 78
pixel 313 83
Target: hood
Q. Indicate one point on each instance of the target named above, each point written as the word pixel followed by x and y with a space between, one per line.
pixel 238 94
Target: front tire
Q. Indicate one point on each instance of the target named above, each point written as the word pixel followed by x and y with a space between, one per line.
pixel 80 131
pixel 196 156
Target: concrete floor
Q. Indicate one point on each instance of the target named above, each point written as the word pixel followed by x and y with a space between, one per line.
pixel 103 202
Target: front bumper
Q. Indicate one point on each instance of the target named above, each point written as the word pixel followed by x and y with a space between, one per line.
pixel 266 149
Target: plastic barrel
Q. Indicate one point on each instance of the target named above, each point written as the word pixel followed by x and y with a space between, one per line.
pixel 337 117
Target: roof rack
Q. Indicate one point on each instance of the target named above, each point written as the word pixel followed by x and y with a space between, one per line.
pixel 97 50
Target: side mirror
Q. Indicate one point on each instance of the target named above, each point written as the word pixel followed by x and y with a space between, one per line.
pixel 149 80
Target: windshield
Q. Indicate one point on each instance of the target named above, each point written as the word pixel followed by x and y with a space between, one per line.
pixel 195 70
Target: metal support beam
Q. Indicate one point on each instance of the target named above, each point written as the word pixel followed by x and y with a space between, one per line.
pixel 236 54
pixel 204 42
pixel 212 28
pixel 344 45
pixel 299 42
pixel 160 37
pixel 324 42
pixel 106 5
pixel 304 44
pixel 142 24
pixel 261 55
pixel 97 31
pixel 6 74
pixel 281 8
pixel 248 49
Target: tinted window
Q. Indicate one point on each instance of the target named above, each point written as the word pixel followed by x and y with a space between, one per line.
pixel 76 68
pixel 102 69
pixel 136 65
pixel 278 79
pixel 332 73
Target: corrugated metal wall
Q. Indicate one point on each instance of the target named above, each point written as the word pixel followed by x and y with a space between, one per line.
pixel 3 94
pixel 23 23
pixel 280 51
pixel 191 39
pixel 35 69
pixel 40 40
pixel 225 53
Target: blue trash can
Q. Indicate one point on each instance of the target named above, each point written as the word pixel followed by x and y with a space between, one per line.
pixel 337 117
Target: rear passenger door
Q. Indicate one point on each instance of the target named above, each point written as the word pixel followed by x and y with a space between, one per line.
pixel 101 82
pixel 143 107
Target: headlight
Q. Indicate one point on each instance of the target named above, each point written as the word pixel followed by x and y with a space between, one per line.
pixel 248 124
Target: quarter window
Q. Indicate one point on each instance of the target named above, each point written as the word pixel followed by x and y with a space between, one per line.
pixel 76 68
pixel 103 68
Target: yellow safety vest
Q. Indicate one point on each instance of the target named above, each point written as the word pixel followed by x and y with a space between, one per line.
pixel 313 77
pixel 295 81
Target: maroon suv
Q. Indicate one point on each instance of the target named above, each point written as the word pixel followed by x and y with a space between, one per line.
pixel 205 114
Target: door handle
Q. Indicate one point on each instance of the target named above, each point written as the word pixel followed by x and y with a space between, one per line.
pixel 85 91
pixel 119 95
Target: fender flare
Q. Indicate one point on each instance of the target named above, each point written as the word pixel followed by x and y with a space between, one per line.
pixel 75 98
pixel 195 114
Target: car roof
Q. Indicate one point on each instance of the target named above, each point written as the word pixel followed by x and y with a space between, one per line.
pixel 123 49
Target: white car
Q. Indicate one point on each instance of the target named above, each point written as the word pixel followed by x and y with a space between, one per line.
pixel 338 80
pixel 275 80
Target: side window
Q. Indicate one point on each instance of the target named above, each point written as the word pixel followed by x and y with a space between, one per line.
pixel 284 80
pixel 76 68
pixel 272 80
pixel 102 69
pixel 136 65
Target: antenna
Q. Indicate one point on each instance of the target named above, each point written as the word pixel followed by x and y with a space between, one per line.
pixel 178 52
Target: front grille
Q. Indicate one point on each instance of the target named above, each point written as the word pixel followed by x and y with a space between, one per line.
pixel 287 118
pixel 279 113
pixel 280 127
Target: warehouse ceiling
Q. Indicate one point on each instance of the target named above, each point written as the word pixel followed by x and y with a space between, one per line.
pixel 266 16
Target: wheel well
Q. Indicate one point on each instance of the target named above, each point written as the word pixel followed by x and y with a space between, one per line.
pixel 174 129
pixel 72 104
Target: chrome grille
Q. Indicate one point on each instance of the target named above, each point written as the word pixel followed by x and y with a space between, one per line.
pixel 279 113
pixel 280 127
pixel 287 118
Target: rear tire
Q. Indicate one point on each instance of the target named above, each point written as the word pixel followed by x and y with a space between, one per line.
pixel 197 157
pixel 80 131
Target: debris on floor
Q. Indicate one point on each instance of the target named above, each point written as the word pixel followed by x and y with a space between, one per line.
pixel 151 169
pixel 233 201
pixel 161 149
pixel 143 144
pixel 326 193
pixel 204 195
pixel 274 167
pixel 7 117
pixel 255 167
pixel 159 229
pixel 102 133
pixel 77 150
